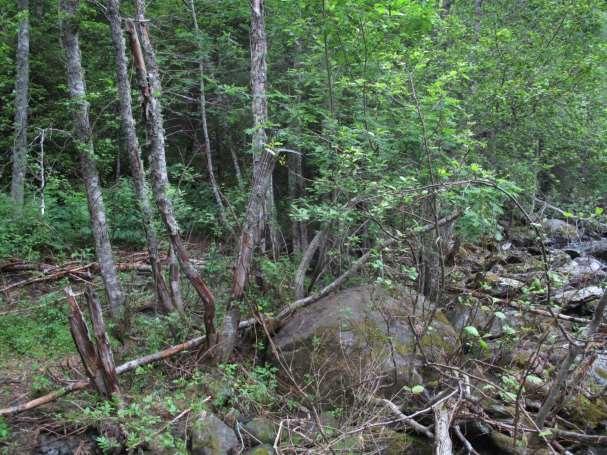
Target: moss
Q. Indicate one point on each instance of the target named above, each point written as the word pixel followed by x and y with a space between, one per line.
pixel 587 412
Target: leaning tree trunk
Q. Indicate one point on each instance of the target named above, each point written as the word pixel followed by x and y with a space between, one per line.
pixel 202 103
pixel 264 160
pixel 148 75
pixel 134 152
pixel 21 105
pixel 84 144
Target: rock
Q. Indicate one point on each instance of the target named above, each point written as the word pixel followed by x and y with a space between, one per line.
pixel 581 266
pixel 265 449
pixel 210 436
pixel 363 332
pixel 596 248
pixel 50 444
pixel 577 296
pixel 261 430
pixel 501 286
pixel 598 371
pixel 559 229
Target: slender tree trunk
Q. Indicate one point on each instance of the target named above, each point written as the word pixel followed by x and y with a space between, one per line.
pixel 202 102
pixel 134 152
pixel 264 162
pixel 21 105
pixel 175 279
pixel 259 77
pixel 299 229
pixel 84 144
pixel 145 61
pixel 304 264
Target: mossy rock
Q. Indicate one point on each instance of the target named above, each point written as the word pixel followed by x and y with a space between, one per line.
pixel 261 429
pixel 210 436
pixel 364 331
pixel 265 449
pixel 399 443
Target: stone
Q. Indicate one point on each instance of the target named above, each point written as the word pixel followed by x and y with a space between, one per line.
pixel 264 449
pixel 261 430
pixel 360 334
pixel 210 436
pixel 502 286
pixel 581 266
pixel 577 296
pixel 559 229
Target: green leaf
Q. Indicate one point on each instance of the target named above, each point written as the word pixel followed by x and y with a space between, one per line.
pixel 598 211
pixel 471 331
pixel 417 389
pixel 535 380
pixel 500 315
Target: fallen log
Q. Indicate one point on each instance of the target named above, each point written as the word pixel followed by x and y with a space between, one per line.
pixel 73 271
pixel 85 383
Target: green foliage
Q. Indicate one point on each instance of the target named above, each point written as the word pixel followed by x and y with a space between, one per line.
pixel 248 390
pixel 44 333
pixel 5 430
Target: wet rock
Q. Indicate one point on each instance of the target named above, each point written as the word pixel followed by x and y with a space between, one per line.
pixel 363 332
pixel 210 436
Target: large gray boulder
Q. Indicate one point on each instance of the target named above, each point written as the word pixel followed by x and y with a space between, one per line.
pixel 210 436
pixel 361 334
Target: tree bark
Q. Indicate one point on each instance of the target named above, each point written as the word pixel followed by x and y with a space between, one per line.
pixel 145 61
pixel 304 264
pixel 134 152
pixel 442 422
pixel 21 105
pixel 84 143
pixel 202 103
pixel 263 166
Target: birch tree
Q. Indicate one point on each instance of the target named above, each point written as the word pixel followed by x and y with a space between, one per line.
pixel 134 152
pixel 264 162
pixel 149 80
pixel 84 144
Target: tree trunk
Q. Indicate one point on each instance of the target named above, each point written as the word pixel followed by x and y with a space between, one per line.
pixel 299 230
pixel 202 103
pixel 442 423
pixel 145 61
pixel 263 166
pixel 21 105
pixel 175 280
pixel 134 152
pixel 84 144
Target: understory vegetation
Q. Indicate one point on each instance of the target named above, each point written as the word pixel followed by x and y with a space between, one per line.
pixel 283 227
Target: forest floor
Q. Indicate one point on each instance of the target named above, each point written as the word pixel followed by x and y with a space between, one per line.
pixel 495 286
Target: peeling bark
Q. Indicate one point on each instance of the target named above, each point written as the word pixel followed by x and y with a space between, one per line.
pixel 84 144
pixel 134 152
pixel 145 61
pixel 263 167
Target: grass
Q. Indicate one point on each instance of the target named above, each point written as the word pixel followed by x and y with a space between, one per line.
pixel 36 330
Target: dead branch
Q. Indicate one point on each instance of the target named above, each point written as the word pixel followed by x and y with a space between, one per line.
pixel 83 384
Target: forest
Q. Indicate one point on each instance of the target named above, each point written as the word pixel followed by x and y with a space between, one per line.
pixel 303 227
